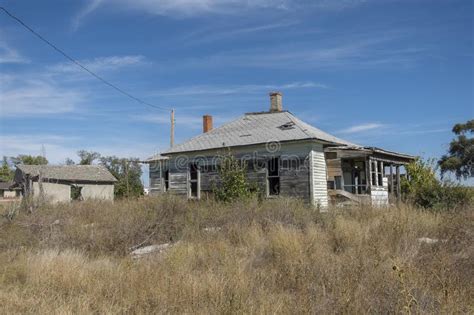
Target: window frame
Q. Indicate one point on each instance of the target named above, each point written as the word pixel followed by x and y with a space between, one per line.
pixel 273 175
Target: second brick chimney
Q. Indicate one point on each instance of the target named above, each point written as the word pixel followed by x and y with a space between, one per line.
pixel 206 123
pixel 276 102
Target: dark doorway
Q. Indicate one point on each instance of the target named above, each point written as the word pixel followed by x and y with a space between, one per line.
pixel 273 168
pixel 167 180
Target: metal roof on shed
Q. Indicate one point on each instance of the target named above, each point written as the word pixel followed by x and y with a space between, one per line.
pixel 92 173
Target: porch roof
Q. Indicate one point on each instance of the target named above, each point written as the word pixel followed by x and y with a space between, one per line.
pixel 367 151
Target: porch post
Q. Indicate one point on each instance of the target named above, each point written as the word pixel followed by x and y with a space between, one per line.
pixel 382 171
pixel 398 183
pixel 369 173
pixel 391 178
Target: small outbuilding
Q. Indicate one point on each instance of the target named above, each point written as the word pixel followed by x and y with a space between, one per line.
pixel 66 182
pixel 7 191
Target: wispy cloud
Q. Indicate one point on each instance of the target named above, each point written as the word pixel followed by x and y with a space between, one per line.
pixel 85 11
pixel 183 7
pixel 55 89
pixel 362 128
pixel 34 97
pixel 210 34
pixel 100 64
pixel 10 55
pixel 234 89
pixel 346 51
pixel 189 8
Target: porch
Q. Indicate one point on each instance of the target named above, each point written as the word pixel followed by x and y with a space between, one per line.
pixel 364 175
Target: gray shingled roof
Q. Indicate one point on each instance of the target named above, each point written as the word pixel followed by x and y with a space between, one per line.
pixel 94 173
pixel 256 128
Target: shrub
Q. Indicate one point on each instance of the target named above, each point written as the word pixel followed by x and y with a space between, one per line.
pixel 423 189
pixel 233 180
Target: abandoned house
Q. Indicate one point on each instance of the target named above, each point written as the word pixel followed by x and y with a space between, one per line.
pixel 285 157
pixel 65 183
pixel 8 191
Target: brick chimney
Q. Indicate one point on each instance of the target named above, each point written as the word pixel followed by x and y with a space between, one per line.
pixel 276 102
pixel 206 123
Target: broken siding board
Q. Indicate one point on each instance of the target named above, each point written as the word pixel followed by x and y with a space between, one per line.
pixel 178 183
pixel 334 168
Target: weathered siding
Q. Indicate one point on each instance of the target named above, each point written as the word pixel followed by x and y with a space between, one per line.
pixel 155 181
pixel 209 180
pixel 97 191
pixel 178 183
pixel 318 178
pixel 9 194
pixel 53 192
pixel 294 179
pixel 61 192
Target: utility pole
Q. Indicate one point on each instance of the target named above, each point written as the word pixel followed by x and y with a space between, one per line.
pixel 172 129
pixel 43 151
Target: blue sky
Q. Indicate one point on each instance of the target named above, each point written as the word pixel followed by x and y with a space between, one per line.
pixel 387 73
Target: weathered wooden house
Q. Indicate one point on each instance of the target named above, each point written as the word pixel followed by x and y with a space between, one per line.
pixel 66 182
pixel 285 157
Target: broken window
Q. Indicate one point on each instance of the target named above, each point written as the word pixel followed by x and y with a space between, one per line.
pixel 273 178
pixel 373 173
pixel 76 192
pixel 194 180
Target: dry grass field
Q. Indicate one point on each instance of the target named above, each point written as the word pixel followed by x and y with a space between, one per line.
pixel 278 256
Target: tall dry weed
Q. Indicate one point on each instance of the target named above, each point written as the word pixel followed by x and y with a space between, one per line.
pixel 249 257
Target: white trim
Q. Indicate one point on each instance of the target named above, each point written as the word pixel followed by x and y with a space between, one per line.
pixel 311 179
pixel 318 179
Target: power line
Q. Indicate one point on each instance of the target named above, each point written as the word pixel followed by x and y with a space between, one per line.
pixel 80 65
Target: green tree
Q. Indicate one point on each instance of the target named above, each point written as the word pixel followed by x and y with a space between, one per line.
pixel 29 160
pixel 128 173
pixel 69 161
pixel 233 180
pixel 422 186
pixel 87 157
pixel 423 189
pixel 6 173
pixel 460 157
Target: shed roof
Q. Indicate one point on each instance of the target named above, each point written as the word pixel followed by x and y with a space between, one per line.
pixel 7 186
pixel 91 173
pixel 256 128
